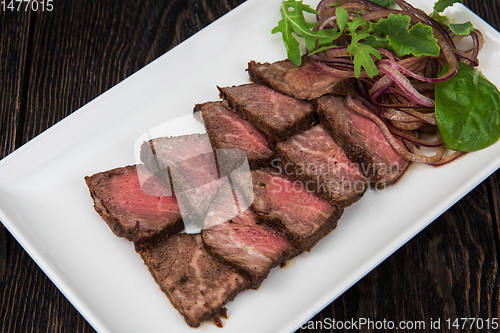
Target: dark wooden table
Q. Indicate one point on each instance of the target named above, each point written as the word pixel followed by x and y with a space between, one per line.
pixel 51 63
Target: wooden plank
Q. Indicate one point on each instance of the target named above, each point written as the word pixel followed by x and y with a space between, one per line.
pixel 14 45
pixel 80 49
pixel 13 53
pixel 487 10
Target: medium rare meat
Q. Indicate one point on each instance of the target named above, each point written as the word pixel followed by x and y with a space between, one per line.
pixel 277 115
pixel 247 245
pixel 188 164
pixel 195 181
pixel 238 238
pixel 197 178
pixel 305 82
pixel 283 201
pixel 228 130
pixel 161 153
pixel 193 201
pixel 323 167
pixel 135 204
pixel 362 140
pixel 197 285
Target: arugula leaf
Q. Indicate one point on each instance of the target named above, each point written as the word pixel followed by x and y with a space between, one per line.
pixel 462 29
pixel 356 23
pixel 441 5
pixel 293 21
pixel 362 52
pixel 467 110
pixel 458 29
pixel 362 56
pixel 384 3
pixel 342 18
pixel 378 42
pixel 336 3
pixel 418 40
pixel 441 19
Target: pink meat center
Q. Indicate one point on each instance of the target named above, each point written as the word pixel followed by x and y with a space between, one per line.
pixel 131 197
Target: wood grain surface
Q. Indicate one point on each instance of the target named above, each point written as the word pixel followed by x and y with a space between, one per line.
pixel 52 63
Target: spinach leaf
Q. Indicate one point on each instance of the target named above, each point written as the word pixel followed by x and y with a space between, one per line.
pixel 468 110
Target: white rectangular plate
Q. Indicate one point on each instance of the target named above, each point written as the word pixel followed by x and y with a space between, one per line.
pixel 45 204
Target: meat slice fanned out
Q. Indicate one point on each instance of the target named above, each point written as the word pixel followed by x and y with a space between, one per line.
pixel 188 164
pixel 323 167
pixel 277 115
pixel 197 285
pixel 228 130
pixel 162 152
pixel 237 237
pixel 247 245
pixel 135 204
pixel 362 140
pixel 304 82
pixel 282 200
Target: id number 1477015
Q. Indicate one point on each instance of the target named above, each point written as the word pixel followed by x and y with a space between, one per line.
pixel 26 5
pixel 472 323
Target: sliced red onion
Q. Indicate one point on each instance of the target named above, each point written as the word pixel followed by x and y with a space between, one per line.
pixel 473 61
pixel 414 140
pixel 405 85
pixel 330 60
pixel 323 23
pixel 387 54
pixel 335 72
pixel 380 86
pixel 450 158
pixel 431 160
pixel 416 76
pixel 396 115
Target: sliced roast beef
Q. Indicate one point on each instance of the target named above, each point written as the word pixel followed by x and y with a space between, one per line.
pixel 277 115
pixel 188 163
pixel 283 201
pixel 323 167
pixel 197 285
pixel 228 130
pixel 135 204
pixel 305 82
pixel 161 153
pixel 362 140
pixel 249 246
pixel 237 237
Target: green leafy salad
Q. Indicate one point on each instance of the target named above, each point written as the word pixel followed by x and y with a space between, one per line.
pixel 426 92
